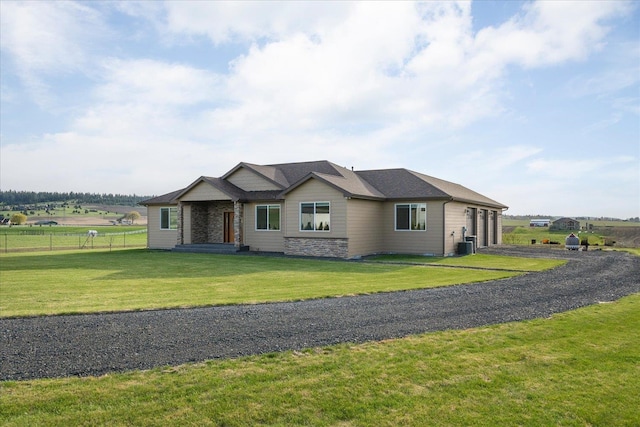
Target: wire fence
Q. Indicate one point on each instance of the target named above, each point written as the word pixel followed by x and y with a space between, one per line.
pixel 39 241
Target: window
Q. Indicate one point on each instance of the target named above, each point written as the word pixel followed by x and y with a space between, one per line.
pixel 268 217
pixel 314 216
pixel 168 218
pixel 411 216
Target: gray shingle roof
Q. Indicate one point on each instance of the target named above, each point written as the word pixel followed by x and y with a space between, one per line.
pixel 382 184
pixel 401 184
pixel 165 199
pixel 294 172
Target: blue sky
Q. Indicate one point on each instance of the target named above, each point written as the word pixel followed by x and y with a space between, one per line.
pixel 535 104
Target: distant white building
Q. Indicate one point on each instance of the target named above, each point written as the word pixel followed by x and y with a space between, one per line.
pixel 539 223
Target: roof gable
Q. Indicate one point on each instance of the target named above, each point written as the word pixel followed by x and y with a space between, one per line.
pixel 294 172
pixel 226 190
pixel 269 174
pixel 342 179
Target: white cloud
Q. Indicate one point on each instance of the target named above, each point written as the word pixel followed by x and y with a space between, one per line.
pixel 367 84
pixel 44 38
pixel 549 32
pixel 228 21
pixel 574 169
pixel 156 83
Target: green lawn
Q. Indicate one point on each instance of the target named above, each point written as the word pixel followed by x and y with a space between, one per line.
pixel 96 281
pixel 579 368
pixel 476 261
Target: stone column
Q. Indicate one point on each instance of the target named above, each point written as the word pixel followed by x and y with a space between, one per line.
pixel 238 221
pixel 180 225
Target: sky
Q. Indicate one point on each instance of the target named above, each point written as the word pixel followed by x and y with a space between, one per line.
pixel 534 104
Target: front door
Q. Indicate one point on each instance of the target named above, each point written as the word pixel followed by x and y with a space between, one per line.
pixel 228 227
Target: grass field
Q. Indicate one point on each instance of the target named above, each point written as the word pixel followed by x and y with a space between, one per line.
pixel 579 368
pixel 70 214
pixel 623 233
pixel 508 222
pixel 574 369
pixel 477 261
pixel 96 281
pixel 27 238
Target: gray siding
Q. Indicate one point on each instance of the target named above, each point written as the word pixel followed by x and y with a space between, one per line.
pixel 455 220
pixel 364 227
pixel 263 240
pixel 488 224
pixel 316 191
pixel 204 192
pixel 414 242
pixel 157 238
pixel 249 181
pixel 186 224
pixel 498 224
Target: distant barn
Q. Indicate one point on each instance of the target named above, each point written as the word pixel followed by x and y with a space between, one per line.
pixel 565 224
pixel 539 223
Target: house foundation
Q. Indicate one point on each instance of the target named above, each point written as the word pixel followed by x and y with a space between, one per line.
pixel 326 247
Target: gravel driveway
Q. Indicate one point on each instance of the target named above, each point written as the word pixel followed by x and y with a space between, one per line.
pixel 80 345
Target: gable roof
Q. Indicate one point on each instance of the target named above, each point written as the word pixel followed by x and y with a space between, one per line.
pixel 220 184
pixel 270 173
pixel 286 174
pixel 381 184
pixel 342 179
pixel 565 219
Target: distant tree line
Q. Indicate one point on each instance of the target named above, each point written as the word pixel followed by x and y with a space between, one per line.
pixel 32 197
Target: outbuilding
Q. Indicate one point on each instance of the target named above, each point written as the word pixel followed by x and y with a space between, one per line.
pixel 565 224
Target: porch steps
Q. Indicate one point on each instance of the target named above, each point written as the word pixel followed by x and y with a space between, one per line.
pixel 211 248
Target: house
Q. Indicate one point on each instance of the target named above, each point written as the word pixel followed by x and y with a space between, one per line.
pixel 321 209
pixel 565 224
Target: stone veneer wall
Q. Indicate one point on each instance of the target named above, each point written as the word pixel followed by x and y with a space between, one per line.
pixel 198 223
pixel 336 248
pixel 207 221
pixel 216 220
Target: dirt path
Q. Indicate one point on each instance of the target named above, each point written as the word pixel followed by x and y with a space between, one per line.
pixel 58 346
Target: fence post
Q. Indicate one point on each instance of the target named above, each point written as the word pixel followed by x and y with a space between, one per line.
pixel 6 248
pixel 124 239
pixel 51 241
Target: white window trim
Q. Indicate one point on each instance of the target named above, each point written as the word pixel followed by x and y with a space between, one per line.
pixel 268 206
pixel 314 217
pixel 395 216
pixel 160 218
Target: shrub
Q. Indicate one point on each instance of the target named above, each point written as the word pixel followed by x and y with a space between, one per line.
pixel 18 219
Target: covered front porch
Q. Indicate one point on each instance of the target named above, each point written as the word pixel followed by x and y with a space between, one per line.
pixel 210 222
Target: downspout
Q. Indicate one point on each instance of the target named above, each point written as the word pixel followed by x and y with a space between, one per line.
pixel 444 226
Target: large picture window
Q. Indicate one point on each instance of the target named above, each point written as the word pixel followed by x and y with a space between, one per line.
pixel 268 217
pixel 315 216
pixel 411 216
pixel 168 218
